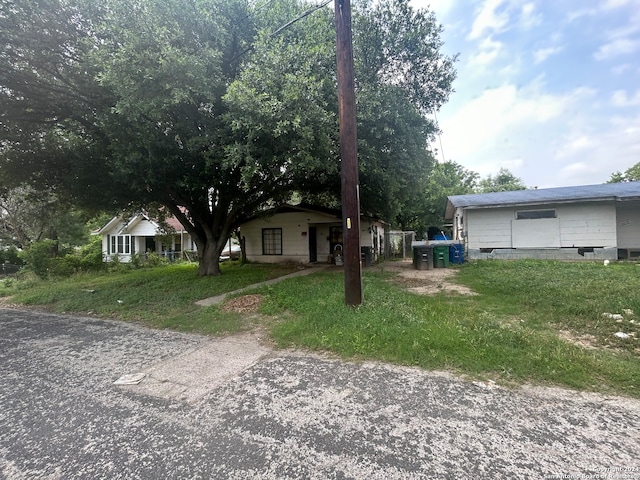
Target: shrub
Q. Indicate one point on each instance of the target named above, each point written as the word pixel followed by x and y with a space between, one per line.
pixel 11 255
pixel 39 255
pixel 64 266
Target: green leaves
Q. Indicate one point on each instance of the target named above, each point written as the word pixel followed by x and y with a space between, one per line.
pixel 212 106
pixel 504 181
pixel 397 45
pixel 631 174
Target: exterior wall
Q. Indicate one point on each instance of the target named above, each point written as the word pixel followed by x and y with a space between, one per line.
pixel 588 225
pixel 142 228
pixel 628 226
pixel 372 235
pixel 488 228
pixel 139 232
pixel 295 236
pixel 576 225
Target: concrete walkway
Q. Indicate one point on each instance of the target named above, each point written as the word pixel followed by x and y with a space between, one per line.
pixel 207 302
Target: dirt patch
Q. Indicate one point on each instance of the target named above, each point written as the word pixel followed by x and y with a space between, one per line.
pixel 426 282
pixel 585 341
pixel 243 304
pixel 5 302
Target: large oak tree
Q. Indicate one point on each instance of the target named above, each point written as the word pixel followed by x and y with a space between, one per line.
pixel 197 108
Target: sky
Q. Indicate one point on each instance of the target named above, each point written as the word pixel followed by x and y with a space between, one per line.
pixel 547 89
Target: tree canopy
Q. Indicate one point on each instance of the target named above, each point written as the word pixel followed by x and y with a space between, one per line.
pixel 197 108
pixel 504 181
pixel 631 174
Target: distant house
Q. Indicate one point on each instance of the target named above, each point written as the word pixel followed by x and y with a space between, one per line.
pixel 124 237
pixel 305 234
pixel 584 222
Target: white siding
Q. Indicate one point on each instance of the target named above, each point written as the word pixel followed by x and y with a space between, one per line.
pixel 142 228
pixel 580 225
pixel 587 225
pixel 139 231
pixel 538 233
pixel 372 235
pixel 628 226
pixel 295 236
pixel 489 228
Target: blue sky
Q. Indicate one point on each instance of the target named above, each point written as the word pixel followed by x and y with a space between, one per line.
pixel 548 89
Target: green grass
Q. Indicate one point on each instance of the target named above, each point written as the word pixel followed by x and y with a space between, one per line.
pixel 530 321
pixel 509 333
pixel 162 297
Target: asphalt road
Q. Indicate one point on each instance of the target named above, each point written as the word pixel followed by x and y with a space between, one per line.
pixel 234 409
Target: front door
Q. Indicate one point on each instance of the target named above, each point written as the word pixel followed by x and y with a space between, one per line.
pixel 313 245
pixel 149 244
pixel 335 240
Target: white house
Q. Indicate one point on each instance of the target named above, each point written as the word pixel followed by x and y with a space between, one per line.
pixel 125 237
pixel 583 222
pixel 305 234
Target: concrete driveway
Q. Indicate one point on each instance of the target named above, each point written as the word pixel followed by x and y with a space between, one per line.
pixel 232 408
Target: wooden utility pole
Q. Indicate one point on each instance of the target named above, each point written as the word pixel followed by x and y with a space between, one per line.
pixel 348 155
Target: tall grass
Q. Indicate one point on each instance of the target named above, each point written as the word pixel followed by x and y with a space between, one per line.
pixel 509 332
pixel 539 322
pixel 162 297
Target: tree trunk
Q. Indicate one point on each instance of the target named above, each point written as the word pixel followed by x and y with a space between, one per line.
pixel 243 249
pixel 209 258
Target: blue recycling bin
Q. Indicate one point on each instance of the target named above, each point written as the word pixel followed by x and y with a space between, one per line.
pixel 456 253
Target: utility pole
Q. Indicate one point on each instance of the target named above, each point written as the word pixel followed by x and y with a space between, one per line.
pixel 348 155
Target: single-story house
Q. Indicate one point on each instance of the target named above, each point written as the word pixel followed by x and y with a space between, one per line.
pixel 583 222
pixel 305 234
pixel 124 237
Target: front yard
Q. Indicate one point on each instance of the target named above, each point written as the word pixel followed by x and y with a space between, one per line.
pixel 567 324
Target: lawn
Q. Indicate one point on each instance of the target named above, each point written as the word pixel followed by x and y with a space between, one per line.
pixel 538 322
pixel 162 297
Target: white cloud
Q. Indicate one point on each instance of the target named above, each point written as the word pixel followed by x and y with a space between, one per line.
pixel 542 54
pixel 500 117
pixel 611 4
pixel 621 40
pixel 619 46
pixel 489 19
pixel 621 99
pixel 529 17
pixel 614 147
pixel 489 51
pixel 440 7
pixel 621 69
pixel 574 144
pixel 497 112
pixel 586 12
pixel 512 164
pixel 521 128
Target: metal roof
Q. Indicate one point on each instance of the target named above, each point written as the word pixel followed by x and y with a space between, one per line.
pixel 624 191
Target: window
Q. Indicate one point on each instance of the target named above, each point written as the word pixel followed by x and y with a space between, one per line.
pixel 535 214
pixel 121 244
pixel 272 241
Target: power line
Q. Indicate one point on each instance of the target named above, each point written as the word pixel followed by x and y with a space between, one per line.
pixel 257 9
pixel 439 136
pixel 300 17
pixel 285 26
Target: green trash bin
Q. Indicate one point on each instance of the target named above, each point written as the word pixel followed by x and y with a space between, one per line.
pixel 441 256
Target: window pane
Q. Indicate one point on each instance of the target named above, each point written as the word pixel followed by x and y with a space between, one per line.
pixel 121 244
pixel 535 214
pixel 272 241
